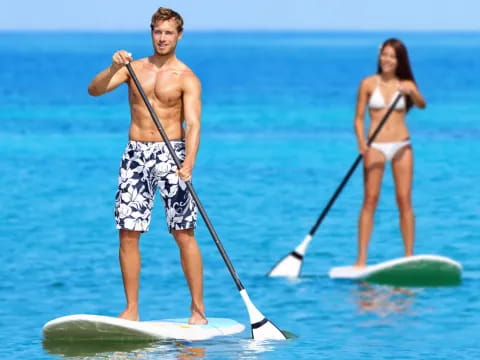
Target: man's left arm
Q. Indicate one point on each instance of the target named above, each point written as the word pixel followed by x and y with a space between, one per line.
pixel 192 107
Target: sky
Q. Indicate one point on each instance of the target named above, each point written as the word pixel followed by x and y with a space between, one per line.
pixel 128 15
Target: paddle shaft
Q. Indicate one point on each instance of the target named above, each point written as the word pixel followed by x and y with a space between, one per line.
pixel 352 168
pixel 200 207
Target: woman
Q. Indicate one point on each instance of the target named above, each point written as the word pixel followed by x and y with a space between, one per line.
pixel 392 143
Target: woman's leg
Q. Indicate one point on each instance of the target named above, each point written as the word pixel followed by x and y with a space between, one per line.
pixel 373 167
pixel 402 166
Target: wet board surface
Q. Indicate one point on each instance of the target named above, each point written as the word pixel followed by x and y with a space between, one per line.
pixel 418 270
pixel 97 327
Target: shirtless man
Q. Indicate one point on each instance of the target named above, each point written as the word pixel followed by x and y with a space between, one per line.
pixel 174 92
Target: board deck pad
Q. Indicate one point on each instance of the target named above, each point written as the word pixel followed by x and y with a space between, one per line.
pixel 97 327
pixel 417 270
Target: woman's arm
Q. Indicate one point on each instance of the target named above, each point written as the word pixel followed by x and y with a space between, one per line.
pixel 410 89
pixel 359 120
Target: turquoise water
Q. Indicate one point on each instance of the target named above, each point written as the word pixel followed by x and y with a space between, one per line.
pixel 277 139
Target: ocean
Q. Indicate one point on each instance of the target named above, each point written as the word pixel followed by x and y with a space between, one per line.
pixel 277 138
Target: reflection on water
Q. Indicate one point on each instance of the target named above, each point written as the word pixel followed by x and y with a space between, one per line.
pixel 250 349
pixel 383 300
pixel 110 350
pixel 221 348
pixel 253 347
pixel 190 353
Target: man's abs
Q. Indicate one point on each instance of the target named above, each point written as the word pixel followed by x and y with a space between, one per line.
pixel 143 128
pixel 141 131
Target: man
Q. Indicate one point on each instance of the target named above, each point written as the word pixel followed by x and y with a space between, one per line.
pixel 174 92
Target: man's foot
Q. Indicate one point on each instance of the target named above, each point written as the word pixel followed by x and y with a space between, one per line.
pixel 198 317
pixel 129 315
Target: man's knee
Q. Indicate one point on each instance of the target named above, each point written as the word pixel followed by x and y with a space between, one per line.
pixel 129 238
pixel 183 234
pixel 183 237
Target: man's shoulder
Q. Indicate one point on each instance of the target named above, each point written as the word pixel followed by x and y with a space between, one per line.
pixel 142 61
pixel 184 69
pixel 141 65
pixel 186 74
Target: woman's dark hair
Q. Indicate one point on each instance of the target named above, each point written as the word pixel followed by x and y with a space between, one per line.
pixel 404 70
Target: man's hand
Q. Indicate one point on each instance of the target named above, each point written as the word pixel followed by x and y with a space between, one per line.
pixel 185 173
pixel 120 58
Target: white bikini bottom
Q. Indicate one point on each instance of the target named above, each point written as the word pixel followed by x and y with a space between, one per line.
pixel 389 149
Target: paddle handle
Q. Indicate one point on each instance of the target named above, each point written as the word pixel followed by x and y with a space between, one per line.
pixel 200 207
pixel 353 167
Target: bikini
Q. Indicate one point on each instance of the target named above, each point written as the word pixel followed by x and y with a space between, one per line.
pixel 377 102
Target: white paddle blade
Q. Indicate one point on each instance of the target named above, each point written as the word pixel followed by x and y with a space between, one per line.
pixel 291 265
pixel 262 328
pixel 267 331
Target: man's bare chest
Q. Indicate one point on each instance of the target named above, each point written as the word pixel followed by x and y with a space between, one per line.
pixel 164 87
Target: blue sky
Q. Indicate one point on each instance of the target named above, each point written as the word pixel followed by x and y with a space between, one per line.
pixel 244 14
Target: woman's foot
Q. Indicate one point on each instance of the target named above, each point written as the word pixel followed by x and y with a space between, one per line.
pixel 359 265
pixel 131 315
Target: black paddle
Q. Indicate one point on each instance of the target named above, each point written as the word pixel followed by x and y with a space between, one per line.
pixel 262 328
pixel 291 264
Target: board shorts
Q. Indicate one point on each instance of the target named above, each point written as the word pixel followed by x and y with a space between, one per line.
pixel 145 167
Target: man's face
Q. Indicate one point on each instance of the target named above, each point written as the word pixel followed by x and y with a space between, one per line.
pixel 165 37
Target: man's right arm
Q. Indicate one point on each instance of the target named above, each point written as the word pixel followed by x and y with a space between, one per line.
pixel 110 78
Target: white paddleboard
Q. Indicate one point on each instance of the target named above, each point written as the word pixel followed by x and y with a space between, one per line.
pixel 97 327
pixel 417 270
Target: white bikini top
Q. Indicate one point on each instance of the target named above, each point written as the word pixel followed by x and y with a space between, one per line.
pixel 377 101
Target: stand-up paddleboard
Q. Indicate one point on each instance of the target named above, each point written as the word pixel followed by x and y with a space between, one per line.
pixel 96 327
pixel 418 270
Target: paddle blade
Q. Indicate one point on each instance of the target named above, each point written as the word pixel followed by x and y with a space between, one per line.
pixel 291 265
pixel 262 328
pixel 267 331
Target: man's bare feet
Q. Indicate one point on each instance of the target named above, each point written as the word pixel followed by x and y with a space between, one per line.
pixel 198 317
pixel 129 315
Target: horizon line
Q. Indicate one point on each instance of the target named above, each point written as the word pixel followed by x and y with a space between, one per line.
pixel 225 30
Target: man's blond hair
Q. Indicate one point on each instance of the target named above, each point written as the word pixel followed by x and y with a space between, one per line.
pixel 165 14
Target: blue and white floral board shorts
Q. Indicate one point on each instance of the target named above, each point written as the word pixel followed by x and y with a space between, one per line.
pixel 146 166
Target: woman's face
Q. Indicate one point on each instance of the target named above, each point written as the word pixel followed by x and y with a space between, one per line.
pixel 388 60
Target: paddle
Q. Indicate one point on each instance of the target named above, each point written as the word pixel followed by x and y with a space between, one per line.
pixel 291 264
pixel 262 328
